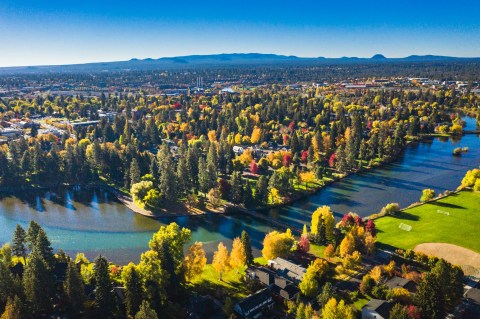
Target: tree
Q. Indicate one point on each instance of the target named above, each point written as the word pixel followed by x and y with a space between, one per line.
pixel 307 177
pixel 238 257
pixel 323 224
pixel 370 228
pixel 277 244
pixel 367 285
pixel 44 248
pixel 74 289
pixel 152 199
pixel 33 229
pixel 427 194
pixel 195 261
pixel 253 167
pixel 168 244
pixel 104 299
pixel 215 197
pixel 237 191
pixel 245 238
pixel 337 310
pixel 429 297
pixel 399 312
pixel 146 312
pixel 167 182
pixel 221 260
pixel 8 286
pixel 135 173
pixel 133 290
pixel 140 190
pixel 310 281
pixel 18 242
pixel 38 283
pixel 327 293
pixel 329 251
pixel 203 177
pixel 451 279
pixel 15 309
pixel 347 246
pixel 261 191
pixel 304 244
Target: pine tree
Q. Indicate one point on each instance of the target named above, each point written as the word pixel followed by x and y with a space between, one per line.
pixel 203 177
pixel 7 283
pixel 44 248
pixel 38 283
pixel 167 176
pixel 133 291
pixel 261 191
pixel 245 238
pixel 15 309
pixel 182 176
pixel 237 188
pixel 74 289
pixel 32 233
pixel 135 174
pixel 146 312
pixel 104 298
pixel 18 242
pixel 429 298
pixel 247 195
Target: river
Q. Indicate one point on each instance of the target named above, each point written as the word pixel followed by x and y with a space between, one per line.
pixel 94 222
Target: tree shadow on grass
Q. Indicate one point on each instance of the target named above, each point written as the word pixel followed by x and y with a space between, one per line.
pixel 406 216
pixel 441 204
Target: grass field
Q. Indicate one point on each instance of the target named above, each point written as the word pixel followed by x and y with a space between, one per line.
pixel 208 282
pixel 431 223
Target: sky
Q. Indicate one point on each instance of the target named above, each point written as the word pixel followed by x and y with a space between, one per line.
pixel 43 32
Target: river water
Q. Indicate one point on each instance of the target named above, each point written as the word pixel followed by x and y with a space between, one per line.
pixel 94 222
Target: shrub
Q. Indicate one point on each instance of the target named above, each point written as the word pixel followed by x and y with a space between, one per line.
pixel 427 194
pixel 390 209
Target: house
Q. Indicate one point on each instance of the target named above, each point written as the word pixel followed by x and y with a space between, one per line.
pixel 287 269
pixel 238 150
pixel 472 303
pixel 264 275
pixel 203 307
pixel 377 309
pixel 255 305
pixel 399 282
pixel 278 285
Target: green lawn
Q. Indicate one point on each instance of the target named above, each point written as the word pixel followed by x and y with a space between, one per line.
pixel 208 282
pixel 360 302
pixel 461 227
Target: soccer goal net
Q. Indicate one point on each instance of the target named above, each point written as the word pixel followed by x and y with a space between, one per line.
pixel 405 227
pixel 443 212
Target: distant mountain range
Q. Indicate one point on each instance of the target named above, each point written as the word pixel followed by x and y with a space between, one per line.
pixel 224 60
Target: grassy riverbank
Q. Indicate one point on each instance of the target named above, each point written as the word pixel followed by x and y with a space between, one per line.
pixel 454 219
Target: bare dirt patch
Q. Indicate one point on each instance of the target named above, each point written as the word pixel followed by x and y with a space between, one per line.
pixel 465 258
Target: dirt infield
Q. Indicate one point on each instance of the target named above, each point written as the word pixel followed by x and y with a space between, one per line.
pixel 466 258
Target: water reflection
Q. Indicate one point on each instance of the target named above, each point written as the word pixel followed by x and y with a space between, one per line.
pixel 94 222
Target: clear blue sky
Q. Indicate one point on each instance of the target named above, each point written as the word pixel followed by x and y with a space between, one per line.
pixel 76 31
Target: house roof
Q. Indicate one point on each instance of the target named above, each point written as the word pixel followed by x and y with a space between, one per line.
pixel 382 307
pixel 474 295
pixel 288 268
pixel 399 282
pixel 252 301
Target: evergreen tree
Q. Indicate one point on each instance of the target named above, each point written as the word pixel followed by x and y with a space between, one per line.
pixel 104 299
pixel 135 174
pixel 203 176
pixel 44 248
pixel 182 176
pixel 38 283
pixel 399 312
pixel 245 239
pixel 248 196
pixel 146 312
pixel 18 242
pixel 261 191
pixel 32 232
pixel 74 290
pixel 7 283
pixel 429 297
pixel 15 309
pixel 237 192
pixel 167 176
pixel 133 291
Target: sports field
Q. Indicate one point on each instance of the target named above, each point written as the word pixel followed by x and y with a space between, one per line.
pixel 454 220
